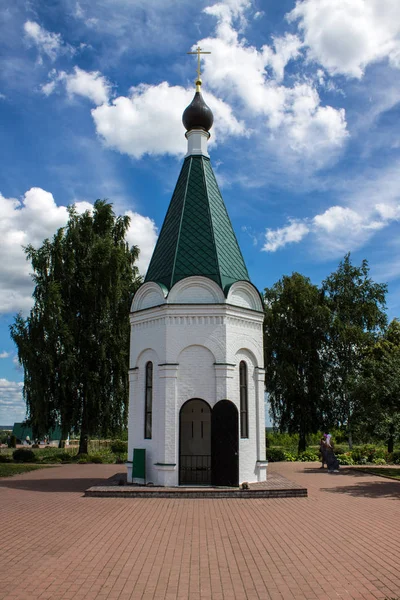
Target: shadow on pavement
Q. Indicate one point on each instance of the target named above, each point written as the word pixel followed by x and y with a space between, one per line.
pixel 368 489
pixel 53 485
pixel 342 471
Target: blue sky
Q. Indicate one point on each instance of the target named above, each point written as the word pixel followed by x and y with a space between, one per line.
pixel 305 143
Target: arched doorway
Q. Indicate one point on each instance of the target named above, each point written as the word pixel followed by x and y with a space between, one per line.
pixel 195 443
pixel 225 444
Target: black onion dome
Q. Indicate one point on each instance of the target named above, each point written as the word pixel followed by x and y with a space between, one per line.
pixel 197 115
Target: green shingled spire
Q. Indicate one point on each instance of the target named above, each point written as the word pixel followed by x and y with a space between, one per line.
pixel 197 236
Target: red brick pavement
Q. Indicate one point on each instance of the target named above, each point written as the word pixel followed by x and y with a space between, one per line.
pixel 343 541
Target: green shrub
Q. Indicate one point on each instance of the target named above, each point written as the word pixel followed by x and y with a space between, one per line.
pixel 82 459
pixel 275 455
pixel 396 457
pixel 119 447
pixel 308 456
pixel 54 455
pixel 379 461
pixel 5 458
pixel 75 457
pixel 289 457
pixel 24 455
pixel 368 453
pixel 381 453
pixel 107 457
pixel 389 457
pixel 345 459
pixel 46 453
pixel 96 458
pixel 358 454
pixel 340 450
pixel 53 460
pixel 64 456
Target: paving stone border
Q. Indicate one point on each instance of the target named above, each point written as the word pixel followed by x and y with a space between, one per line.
pixel 276 486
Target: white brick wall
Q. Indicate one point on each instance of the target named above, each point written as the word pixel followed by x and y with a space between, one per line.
pixel 198 290
pixel 243 293
pixel 136 409
pixel 150 294
pixel 247 447
pixel 189 345
pixel 196 375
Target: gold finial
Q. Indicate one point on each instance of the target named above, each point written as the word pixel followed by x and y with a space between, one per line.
pixel 198 51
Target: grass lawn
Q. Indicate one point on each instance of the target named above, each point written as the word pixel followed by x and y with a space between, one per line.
pixel 8 469
pixel 386 472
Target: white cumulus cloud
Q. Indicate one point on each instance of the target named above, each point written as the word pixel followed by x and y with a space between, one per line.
pixel 337 230
pixel 30 221
pixel 290 118
pixel 143 233
pixel 288 121
pixel 340 229
pixel 290 234
pixel 309 127
pixel 150 120
pixel 285 49
pixel 226 12
pixel 345 36
pixel 88 84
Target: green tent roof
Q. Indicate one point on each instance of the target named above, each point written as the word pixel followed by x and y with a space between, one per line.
pixel 197 237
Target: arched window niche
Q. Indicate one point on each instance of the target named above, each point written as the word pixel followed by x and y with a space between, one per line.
pixel 244 413
pixel 148 401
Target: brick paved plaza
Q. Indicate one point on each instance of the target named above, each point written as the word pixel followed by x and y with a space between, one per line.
pixel 343 541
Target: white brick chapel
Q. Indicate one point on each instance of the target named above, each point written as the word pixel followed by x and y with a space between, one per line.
pixel 196 377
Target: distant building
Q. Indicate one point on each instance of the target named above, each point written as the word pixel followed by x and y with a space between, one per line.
pixel 21 431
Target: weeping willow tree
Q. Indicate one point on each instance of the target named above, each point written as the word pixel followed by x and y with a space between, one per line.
pixel 74 345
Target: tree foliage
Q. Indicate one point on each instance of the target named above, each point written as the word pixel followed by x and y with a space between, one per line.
pixel 356 305
pixel 296 323
pixel 378 389
pixel 74 345
pixel 316 343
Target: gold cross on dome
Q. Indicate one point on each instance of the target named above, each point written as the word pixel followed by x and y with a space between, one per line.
pixel 198 51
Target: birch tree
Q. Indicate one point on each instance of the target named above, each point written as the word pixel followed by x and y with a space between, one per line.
pixel 74 345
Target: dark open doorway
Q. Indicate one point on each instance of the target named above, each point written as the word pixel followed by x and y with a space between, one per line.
pixel 195 443
pixel 208 443
pixel 225 444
